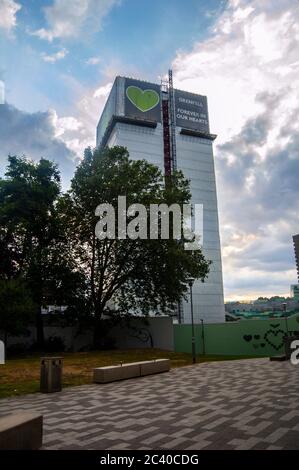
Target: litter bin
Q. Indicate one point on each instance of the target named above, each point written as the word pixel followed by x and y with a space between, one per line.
pixel 51 374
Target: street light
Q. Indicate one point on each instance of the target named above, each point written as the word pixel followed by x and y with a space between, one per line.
pixel 284 305
pixel 286 345
pixel 203 337
pixel 190 282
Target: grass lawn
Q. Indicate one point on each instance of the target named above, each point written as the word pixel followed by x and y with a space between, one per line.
pixel 21 375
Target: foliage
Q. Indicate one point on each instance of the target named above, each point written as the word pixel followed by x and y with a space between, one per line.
pixel 16 307
pixel 32 236
pixel 127 275
pixel 48 240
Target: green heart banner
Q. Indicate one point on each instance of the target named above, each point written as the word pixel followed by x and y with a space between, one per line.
pixel 144 100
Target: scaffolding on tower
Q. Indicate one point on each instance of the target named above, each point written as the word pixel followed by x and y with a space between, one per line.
pixel 168 122
pixel 169 141
pixel 172 122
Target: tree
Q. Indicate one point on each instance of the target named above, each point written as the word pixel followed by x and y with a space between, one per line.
pixel 17 308
pixel 29 233
pixel 139 275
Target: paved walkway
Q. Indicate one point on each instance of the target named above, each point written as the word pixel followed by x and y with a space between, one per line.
pixel 248 404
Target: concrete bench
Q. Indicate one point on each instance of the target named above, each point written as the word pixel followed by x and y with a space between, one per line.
pixel 279 358
pixel 128 371
pixel 154 367
pixel 113 373
pixel 21 431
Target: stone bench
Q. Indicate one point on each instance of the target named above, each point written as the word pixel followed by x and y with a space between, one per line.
pixel 130 370
pixel 279 358
pixel 21 431
pixel 154 367
pixel 112 373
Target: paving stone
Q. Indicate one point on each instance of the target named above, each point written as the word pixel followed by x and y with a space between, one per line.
pixel 245 404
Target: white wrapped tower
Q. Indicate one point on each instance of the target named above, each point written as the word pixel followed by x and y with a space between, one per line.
pixel 132 118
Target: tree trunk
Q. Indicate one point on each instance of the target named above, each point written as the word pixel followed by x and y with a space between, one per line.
pixel 97 334
pixel 97 331
pixel 39 323
pixel 40 340
pixel 5 339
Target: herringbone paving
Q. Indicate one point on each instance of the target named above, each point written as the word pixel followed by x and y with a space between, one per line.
pixel 246 404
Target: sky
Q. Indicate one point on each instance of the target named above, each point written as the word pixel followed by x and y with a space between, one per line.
pixel 58 59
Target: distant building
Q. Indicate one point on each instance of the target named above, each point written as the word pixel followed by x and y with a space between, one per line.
pixel 264 308
pixel 296 248
pixel 295 291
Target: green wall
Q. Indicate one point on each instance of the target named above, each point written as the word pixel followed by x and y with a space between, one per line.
pixel 244 337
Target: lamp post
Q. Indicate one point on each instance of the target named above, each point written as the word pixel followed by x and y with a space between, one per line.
pixel 286 317
pixel 203 337
pixel 191 281
pixel 286 341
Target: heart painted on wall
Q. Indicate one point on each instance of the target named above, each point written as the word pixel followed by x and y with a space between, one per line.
pixel 247 338
pixel 275 338
pixel 144 100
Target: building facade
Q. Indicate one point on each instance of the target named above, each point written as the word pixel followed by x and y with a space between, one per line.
pixel 296 248
pixel 132 118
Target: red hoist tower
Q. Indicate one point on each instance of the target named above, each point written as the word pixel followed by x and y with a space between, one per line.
pixel 168 122
pixel 169 140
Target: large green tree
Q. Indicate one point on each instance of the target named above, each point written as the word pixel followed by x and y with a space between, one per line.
pixel 17 308
pixel 29 226
pixel 125 275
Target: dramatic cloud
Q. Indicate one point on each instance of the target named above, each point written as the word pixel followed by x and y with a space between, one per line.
pixel 8 12
pixel 79 130
pixel 67 19
pixel 52 58
pixel 45 134
pixel 249 69
pixel 35 135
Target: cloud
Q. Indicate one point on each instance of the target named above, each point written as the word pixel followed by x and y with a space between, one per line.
pixel 79 130
pixel 88 107
pixel 102 91
pixel 69 19
pixel 52 58
pixel 8 12
pixel 2 92
pixel 93 61
pixel 249 69
pixel 35 135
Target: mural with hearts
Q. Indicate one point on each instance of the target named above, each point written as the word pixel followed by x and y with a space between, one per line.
pixel 260 338
pixel 273 337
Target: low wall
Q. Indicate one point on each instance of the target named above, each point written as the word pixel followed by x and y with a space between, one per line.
pixel 156 332
pixel 72 339
pixel 242 338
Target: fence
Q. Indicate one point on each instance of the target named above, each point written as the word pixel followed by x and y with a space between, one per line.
pixel 242 338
